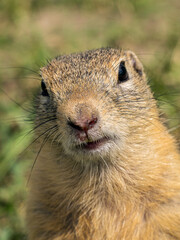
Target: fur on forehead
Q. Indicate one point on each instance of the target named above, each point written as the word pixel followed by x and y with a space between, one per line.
pixel 79 65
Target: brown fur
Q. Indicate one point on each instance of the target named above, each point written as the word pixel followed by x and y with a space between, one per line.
pixel 129 189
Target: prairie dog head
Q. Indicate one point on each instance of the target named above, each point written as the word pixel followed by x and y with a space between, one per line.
pixel 92 102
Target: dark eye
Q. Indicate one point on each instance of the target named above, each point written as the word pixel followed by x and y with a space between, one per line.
pixel 44 90
pixel 122 74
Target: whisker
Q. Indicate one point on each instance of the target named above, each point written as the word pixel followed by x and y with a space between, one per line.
pixel 38 138
pixel 37 126
pixel 18 104
pixel 41 147
pixel 21 67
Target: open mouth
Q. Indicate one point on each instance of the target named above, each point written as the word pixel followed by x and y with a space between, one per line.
pixel 92 145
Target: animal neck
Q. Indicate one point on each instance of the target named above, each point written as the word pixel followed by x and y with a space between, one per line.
pixel 138 170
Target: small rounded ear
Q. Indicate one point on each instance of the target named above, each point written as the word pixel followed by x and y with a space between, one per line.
pixel 135 63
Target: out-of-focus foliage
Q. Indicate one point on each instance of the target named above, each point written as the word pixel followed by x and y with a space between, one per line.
pixel 33 31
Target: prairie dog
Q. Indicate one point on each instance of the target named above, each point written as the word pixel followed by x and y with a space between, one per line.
pixel 107 168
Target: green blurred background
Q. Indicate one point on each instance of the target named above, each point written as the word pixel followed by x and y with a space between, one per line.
pixel 33 31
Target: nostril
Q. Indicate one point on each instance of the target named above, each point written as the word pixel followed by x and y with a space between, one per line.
pixel 92 122
pixel 83 124
pixel 75 126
